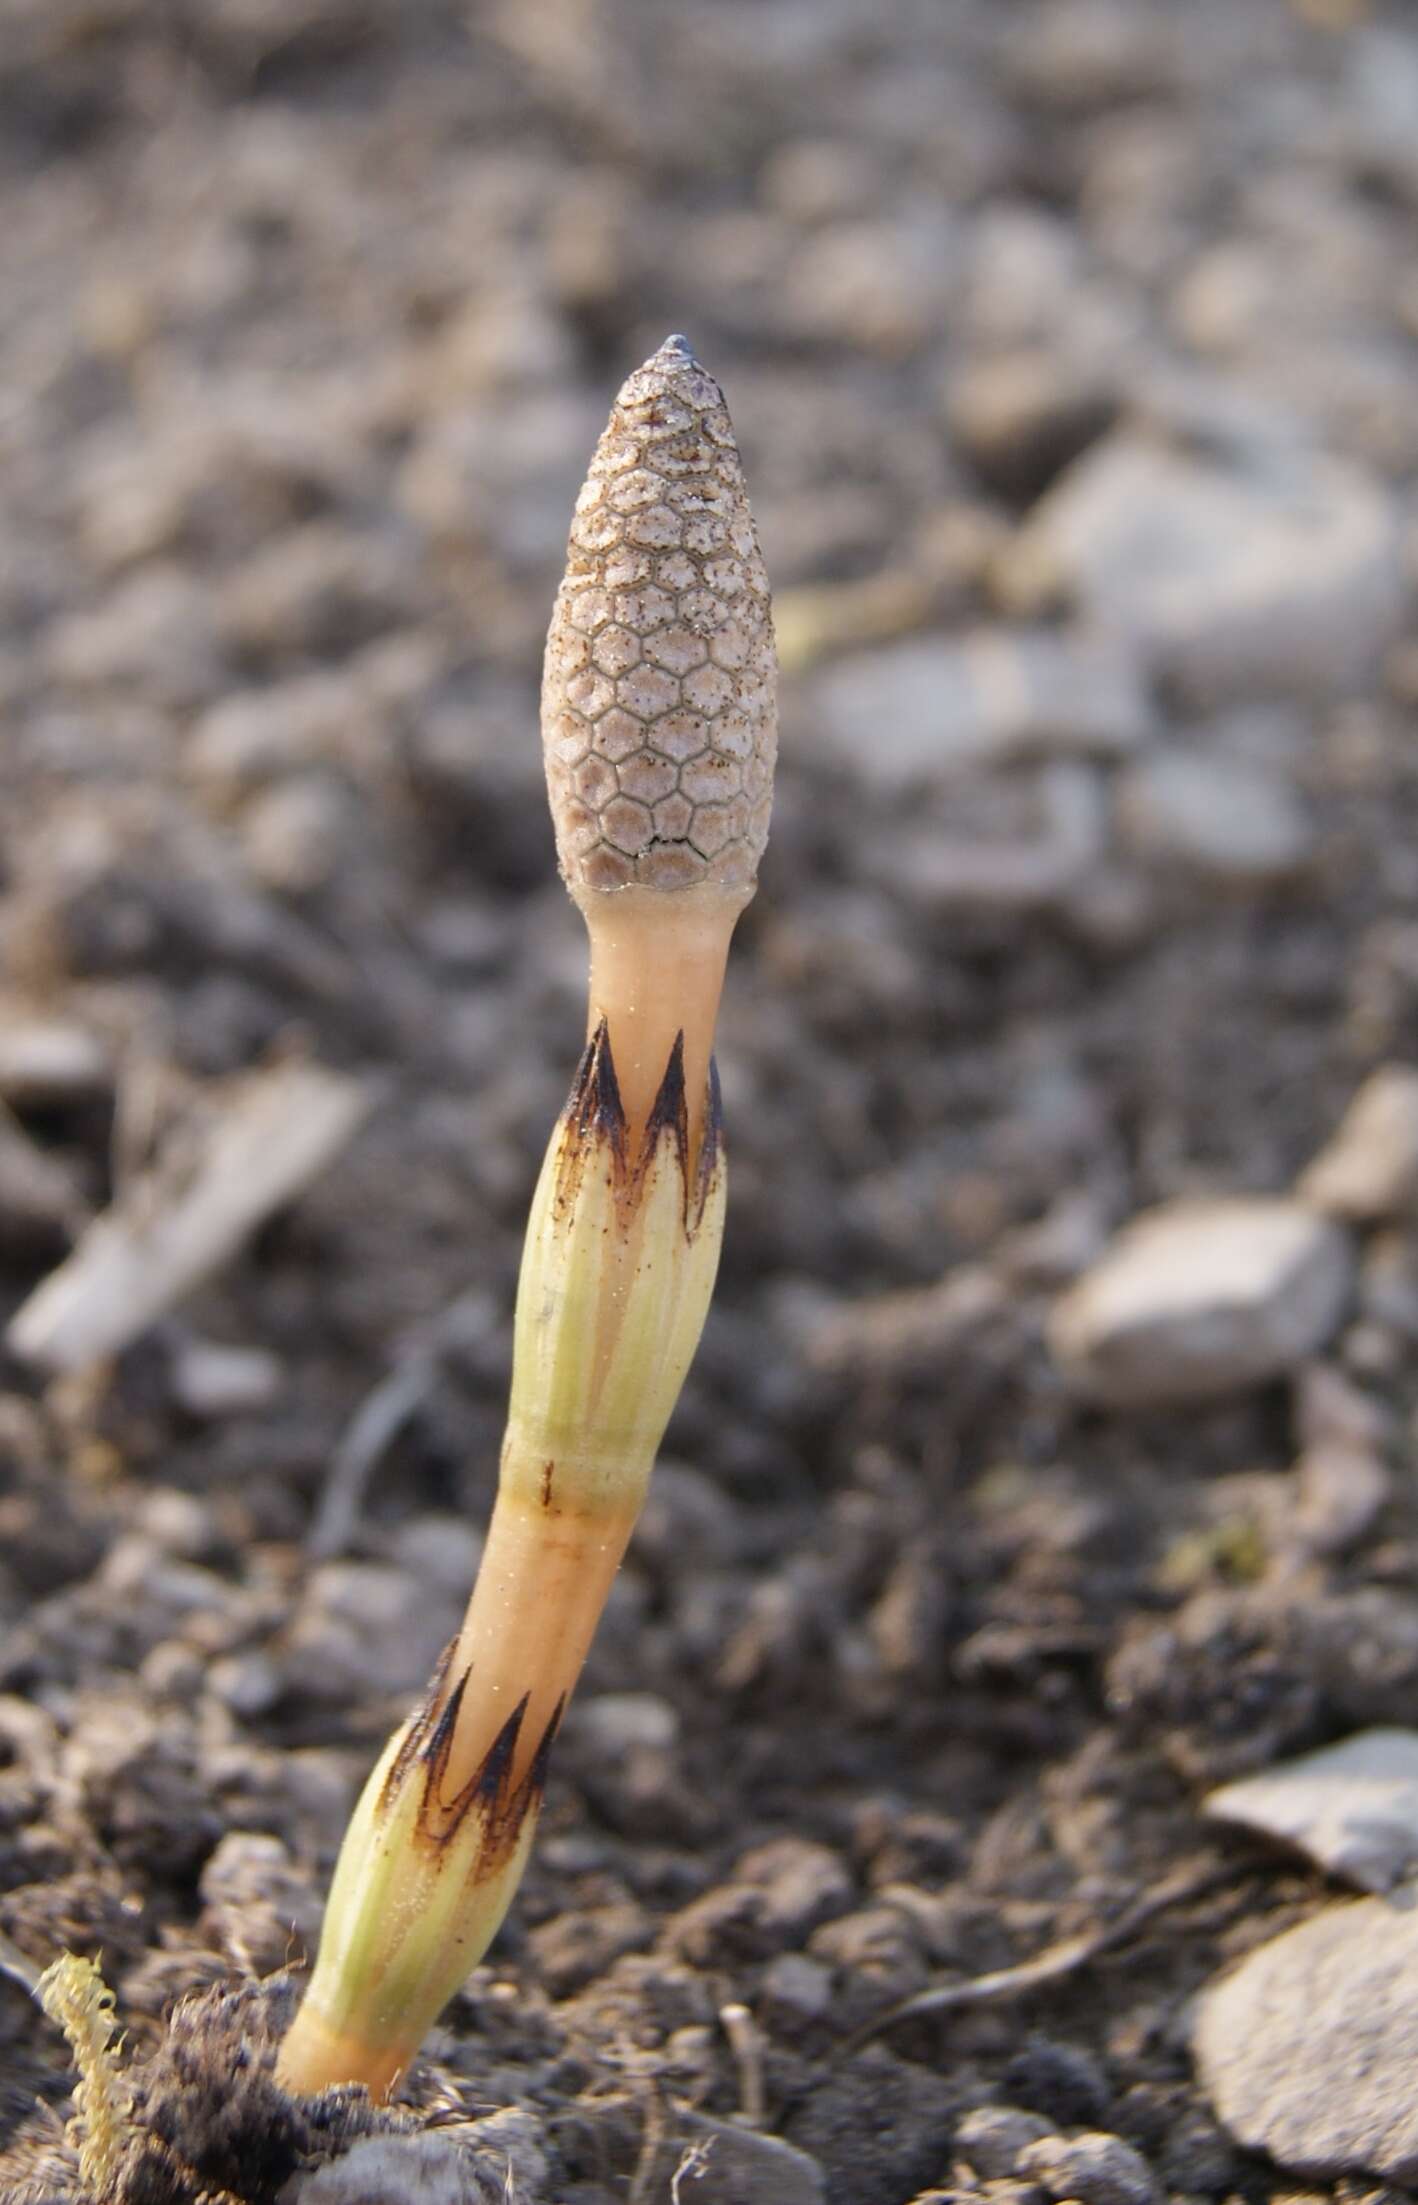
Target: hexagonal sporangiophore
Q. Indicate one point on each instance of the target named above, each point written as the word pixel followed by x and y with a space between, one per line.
pixel 709 777
pixel 619 734
pixel 594 781
pixel 626 825
pixel 647 776
pixel 615 650
pixel 678 650
pixel 708 689
pixel 590 693
pixel 647 692
pixel 660 646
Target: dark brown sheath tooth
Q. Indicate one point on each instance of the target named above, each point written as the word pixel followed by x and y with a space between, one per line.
pixel 659 705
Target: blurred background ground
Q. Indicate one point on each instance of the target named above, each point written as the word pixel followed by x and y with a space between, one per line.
pixel 1073 352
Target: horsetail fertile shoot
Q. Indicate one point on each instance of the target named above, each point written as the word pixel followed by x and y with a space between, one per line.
pixel 660 729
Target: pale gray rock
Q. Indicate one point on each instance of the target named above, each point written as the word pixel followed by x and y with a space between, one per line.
pixel 993 2138
pixel 1018 417
pixel 1388 1283
pixel 1369 1169
pixel 1342 1488
pixel 728 2165
pixel 479 2163
pixel 212 1379
pixel 362 1626
pixel 917 710
pixel 1013 874
pixel 1308 2050
pixel 794 1992
pixel 1096 2168
pixel 1280 575
pixel 616 1723
pixel 1352 1808
pixel 48 1060
pixel 1201 1298
pixel 1229 819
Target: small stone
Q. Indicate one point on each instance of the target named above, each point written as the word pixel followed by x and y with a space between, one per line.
pixel 1369 1169
pixel 1341 1491
pixel 1020 417
pixel 1226 818
pixel 1353 1808
pixel 363 1627
pixel 212 1380
pixel 879 286
pixel 247 1684
pixel 613 1724
pixel 1329 1410
pixel 878 1957
pixel 260 1906
pixel 999 694
pixel 1198 1299
pixel 1095 2168
pixel 1059 2080
pixel 795 1991
pixel 1277 574
pixel 439 1549
pixel 293 832
pixel 572 1949
pixel 1016 874
pixel 1307 2051
pixel 802 1883
pixel 48 1060
pixel 993 2137
pixel 153 632
pixel 728 2165
pixel 421 2169
pixel 39 1194
pixel 1388 1284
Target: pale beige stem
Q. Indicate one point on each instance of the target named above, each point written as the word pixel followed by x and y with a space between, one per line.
pixel 546 1571
pixel 657 968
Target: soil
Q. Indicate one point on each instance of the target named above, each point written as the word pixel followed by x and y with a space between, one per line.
pixel 309 317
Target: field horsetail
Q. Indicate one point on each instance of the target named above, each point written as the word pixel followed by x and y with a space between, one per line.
pixel 660 729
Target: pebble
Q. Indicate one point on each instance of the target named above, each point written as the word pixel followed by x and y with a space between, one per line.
pixel 425 2169
pixel 292 834
pixel 615 1723
pixel 879 286
pixel 918 710
pixel 260 1905
pixel 728 2165
pixel 1015 874
pixel 153 632
pixel 362 1627
pixel 1275 576
pixel 1342 1489
pixel 1369 1169
pixel 213 1380
pixel 993 2138
pixel 1330 1410
pixel 40 1197
pixel 49 1060
pixel 574 1948
pixel 1225 818
pixel 1388 1283
pixel 1202 1298
pixel 794 1992
pixel 803 1883
pixel 1095 2168
pixel 1352 1807
pixel 1020 417
pixel 1308 2050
